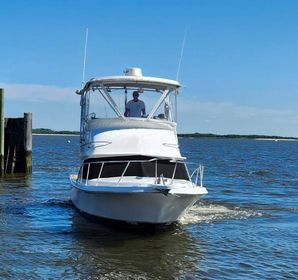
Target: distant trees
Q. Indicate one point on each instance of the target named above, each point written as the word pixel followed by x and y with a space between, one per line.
pixel 50 131
pixel 184 135
pixel 232 136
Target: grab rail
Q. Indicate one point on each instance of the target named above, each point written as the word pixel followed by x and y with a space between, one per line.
pixel 123 172
pixel 200 174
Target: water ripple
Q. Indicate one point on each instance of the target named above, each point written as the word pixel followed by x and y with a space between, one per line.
pixel 245 228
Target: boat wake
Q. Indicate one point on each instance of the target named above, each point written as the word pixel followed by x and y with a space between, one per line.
pixel 208 213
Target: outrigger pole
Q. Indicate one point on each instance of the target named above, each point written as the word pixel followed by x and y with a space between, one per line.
pixel 85 57
pixel 181 53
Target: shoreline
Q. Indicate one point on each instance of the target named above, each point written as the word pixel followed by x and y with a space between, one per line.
pixel 50 132
pixel 276 139
pixel 187 137
pixel 54 134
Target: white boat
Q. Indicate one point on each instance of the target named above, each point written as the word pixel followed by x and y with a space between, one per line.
pixel 132 169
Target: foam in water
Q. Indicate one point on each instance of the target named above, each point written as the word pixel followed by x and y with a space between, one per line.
pixel 214 212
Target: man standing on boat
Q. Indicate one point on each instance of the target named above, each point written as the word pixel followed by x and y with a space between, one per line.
pixel 135 108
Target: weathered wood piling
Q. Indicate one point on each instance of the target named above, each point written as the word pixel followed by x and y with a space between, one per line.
pixel 16 143
pixel 1 131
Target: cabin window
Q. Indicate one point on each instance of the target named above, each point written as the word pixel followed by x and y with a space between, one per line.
pixel 139 169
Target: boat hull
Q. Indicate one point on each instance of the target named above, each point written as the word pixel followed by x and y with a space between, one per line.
pixel 137 207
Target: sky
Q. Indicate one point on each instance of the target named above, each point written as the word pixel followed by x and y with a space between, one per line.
pixel 238 70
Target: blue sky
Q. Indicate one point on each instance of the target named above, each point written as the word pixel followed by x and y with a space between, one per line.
pixel 239 68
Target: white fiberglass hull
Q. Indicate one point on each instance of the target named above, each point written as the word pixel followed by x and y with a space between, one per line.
pixel 151 206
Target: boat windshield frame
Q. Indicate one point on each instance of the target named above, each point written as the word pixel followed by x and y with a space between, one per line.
pixel 149 84
pixel 85 169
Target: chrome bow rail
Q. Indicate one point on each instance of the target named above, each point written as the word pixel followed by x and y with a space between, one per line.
pixel 199 174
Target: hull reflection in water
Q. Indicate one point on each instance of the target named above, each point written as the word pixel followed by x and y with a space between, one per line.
pixel 116 251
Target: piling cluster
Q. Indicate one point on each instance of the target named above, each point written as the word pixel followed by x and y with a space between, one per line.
pixel 15 142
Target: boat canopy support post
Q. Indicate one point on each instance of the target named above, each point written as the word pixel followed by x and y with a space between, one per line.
pixel 167 109
pixel 84 113
pixel 104 92
pixel 160 100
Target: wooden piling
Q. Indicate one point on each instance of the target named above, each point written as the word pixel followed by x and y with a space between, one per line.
pixel 28 142
pixel 18 145
pixel 1 131
pixel 15 142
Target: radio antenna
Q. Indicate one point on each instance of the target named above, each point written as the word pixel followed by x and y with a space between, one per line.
pixel 85 57
pixel 181 53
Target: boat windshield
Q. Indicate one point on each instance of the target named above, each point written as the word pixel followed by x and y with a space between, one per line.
pixel 160 105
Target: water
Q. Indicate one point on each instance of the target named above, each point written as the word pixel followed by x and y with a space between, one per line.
pixel 245 228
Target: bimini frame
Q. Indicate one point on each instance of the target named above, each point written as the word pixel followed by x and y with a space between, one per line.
pixel 107 84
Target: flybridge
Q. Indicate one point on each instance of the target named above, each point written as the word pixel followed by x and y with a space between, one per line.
pixel 103 106
pixel 164 108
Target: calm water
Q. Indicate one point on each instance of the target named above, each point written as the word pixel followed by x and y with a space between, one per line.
pixel 245 228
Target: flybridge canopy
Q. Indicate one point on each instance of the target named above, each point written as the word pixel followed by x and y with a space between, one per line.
pixel 149 83
pixel 109 87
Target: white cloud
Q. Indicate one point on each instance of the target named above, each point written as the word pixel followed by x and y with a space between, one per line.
pixel 225 118
pixel 52 107
pixel 38 93
pixel 193 115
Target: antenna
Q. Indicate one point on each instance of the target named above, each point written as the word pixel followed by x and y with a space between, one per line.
pixel 181 53
pixel 85 57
